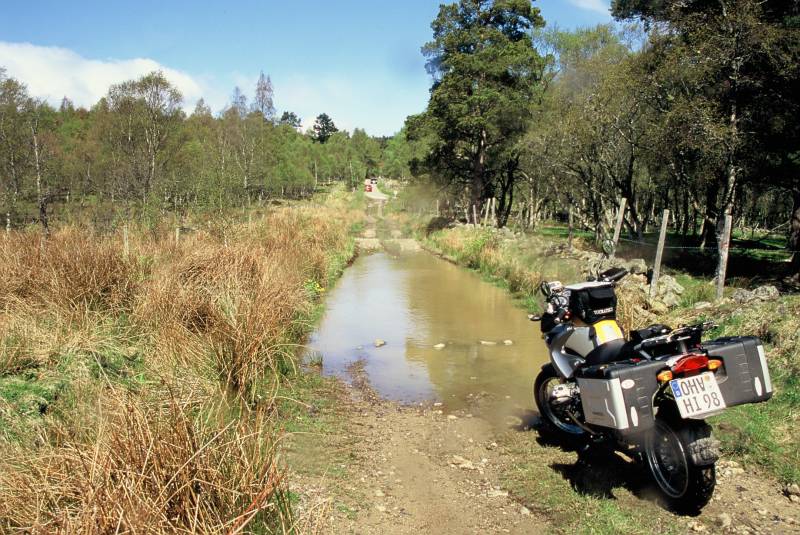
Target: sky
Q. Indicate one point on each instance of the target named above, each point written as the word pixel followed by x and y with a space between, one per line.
pixel 359 61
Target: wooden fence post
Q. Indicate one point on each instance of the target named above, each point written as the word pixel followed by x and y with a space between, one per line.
pixel 437 207
pixel 618 226
pixel 722 268
pixel 569 219
pixel 659 253
pixel 177 235
pixel 8 223
pixel 125 245
pixel 474 216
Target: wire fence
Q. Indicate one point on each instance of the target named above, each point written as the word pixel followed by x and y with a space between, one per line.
pixel 697 248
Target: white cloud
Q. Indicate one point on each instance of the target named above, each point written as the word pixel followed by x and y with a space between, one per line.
pixel 53 72
pixel 379 102
pixel 598 6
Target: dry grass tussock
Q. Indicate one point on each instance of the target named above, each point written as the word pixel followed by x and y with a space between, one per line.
pixel 136 389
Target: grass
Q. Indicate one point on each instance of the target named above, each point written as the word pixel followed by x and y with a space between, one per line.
pixel 141 390
pixel 587 499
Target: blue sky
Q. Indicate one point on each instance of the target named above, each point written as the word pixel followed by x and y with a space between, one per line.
pixel 357 60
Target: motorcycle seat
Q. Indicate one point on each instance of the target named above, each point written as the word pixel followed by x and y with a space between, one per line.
pixel 608 352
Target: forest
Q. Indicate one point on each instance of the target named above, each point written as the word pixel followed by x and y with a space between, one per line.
pixel 687 106
pixel 136 152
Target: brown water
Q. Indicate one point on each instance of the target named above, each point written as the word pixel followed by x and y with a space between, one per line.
pixel 413 302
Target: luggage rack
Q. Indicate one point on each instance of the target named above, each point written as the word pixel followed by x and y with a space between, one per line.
pixel 682 337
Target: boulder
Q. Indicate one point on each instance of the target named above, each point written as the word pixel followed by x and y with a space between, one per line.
pixel 740 295
pixel 766 293
pixel 380 343
pixel 636 266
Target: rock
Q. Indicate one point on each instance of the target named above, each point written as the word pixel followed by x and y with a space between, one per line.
pixel 379 342
pixel 724 520
pixel 379 493
pixel 792 489
pixel 508 342
pixel 700 305
pixel 439 346
pixel 462 463
pixel 437 404
pixel 697 526
pixel 658 307
pixel 380 508
pixel 396 234
pixel 794 499
pixel 636 266
pixel 668 284
pixel 762 512
pixel 369 233
pixel 740 295
pixel 452 417
pixel 488 343
pixel 766 293
pixel 494 493
pixel 524 511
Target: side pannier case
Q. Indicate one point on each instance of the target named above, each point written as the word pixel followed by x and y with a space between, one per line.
pixel 593 301
pixel 619 395
pixel 745 376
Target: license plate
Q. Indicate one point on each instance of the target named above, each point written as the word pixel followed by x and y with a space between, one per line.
pixel 698 395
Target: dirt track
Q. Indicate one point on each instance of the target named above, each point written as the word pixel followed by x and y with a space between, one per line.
pixel 413 469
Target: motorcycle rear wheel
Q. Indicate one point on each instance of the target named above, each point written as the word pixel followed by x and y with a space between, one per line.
pixel 687 487
pixel 542 388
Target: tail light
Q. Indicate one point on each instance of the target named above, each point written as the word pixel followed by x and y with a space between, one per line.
pixel 714 364
pixel 690 363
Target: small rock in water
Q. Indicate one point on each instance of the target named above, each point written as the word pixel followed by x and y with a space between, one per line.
pixel 437 404
pixel 359 348
pixel 508 342
pixel 379 342
pixel 488 343
pixel 439 346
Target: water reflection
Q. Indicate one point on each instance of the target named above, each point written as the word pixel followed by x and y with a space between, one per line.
pixel 414 302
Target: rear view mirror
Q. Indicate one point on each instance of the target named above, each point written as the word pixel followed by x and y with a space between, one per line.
pixel 545 289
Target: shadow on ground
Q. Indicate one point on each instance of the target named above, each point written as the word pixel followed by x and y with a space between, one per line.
pixel 599 468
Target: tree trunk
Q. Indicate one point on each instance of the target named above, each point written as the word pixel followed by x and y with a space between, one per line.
pixel 794 236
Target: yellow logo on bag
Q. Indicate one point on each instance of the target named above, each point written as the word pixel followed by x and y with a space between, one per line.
pixel 606 331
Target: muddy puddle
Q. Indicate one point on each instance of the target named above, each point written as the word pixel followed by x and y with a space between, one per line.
pixel 415 302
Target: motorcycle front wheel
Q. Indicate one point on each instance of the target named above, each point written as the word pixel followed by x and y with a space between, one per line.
pixel 687 486
pixel 543 388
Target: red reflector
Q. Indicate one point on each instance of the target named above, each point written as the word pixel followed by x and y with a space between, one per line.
pixel 691 363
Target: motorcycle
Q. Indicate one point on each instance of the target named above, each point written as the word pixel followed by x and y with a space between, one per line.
pixel 649 393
